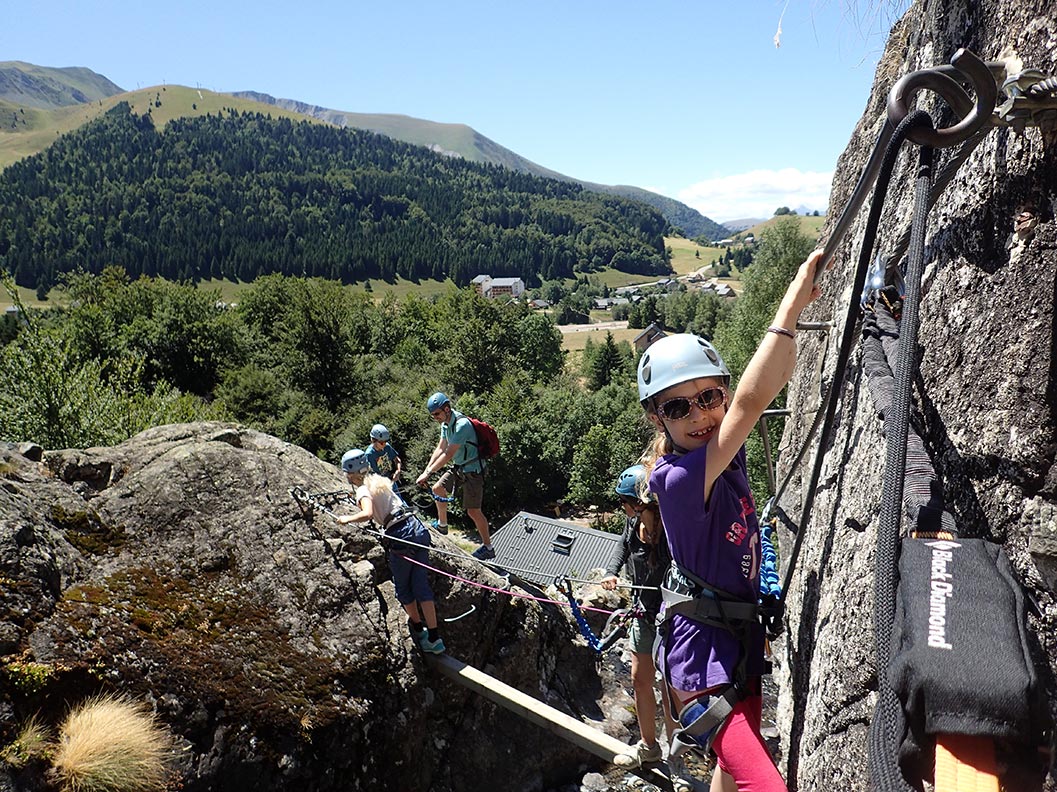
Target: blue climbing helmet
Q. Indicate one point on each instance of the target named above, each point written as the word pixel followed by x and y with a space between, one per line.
pixel 676 359
pixel 436 401
pixel 631 483
pixel 379 432
pixel 355 461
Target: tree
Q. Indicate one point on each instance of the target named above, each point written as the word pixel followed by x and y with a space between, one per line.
pixel 539 345
pixel 782 210
pixel 603 363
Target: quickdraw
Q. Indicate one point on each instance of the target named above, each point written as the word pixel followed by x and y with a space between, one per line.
pixel 565 586
pixel 771 602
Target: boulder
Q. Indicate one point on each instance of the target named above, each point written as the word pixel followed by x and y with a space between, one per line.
pixel 176 568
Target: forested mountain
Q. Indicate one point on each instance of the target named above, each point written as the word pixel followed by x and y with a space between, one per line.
pixel 36 102
pixel 241 195
pixel 464 141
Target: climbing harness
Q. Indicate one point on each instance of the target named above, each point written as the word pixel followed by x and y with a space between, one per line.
pixel 687 595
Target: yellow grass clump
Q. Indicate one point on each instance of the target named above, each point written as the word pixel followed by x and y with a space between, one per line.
pixel 111 744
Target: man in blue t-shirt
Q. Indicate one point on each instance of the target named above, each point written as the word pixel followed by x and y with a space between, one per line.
pixel 458 445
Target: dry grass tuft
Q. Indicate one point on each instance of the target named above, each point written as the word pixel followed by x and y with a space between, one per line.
pixel 112 745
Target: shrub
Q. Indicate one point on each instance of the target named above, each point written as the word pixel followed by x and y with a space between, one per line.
pixel 111 745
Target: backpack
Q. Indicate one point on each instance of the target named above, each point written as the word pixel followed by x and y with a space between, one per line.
pixel 487 439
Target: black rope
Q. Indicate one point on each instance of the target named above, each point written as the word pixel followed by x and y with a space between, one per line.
pixel 888 723
pixel 939 185
pixel 851 326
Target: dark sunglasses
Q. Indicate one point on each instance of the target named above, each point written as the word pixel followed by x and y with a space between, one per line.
pixel 678 408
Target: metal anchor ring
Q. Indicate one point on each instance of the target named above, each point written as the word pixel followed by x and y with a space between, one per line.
pixel 973 115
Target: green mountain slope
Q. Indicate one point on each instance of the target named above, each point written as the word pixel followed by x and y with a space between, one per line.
pixel 464 141
pixel 240 195
pixel 27 86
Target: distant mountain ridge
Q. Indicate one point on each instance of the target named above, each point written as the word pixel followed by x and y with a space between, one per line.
pixel 464 141
pixel 43 87
pixel 238 195
pixel 741 224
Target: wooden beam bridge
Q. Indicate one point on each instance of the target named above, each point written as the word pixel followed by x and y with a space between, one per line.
pixel 555 721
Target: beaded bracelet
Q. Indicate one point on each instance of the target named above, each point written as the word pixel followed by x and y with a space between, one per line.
pixel 781 331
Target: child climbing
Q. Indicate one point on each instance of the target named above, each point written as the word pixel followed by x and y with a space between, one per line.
pixel 379 504
pixel 383 458
pixel 711 649
pixel 643 550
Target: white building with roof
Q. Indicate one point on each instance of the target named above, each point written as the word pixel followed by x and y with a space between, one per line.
pixel 490 287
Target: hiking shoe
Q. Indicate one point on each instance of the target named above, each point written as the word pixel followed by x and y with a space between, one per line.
pixel 484 553
pixel 680 778
pixel 419 635
pixel 638 754
pixel 433 647
pixel 441 529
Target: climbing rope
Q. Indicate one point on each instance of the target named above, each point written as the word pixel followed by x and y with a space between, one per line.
pixel 888 722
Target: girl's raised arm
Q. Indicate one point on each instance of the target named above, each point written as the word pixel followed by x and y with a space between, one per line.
pixel 765 376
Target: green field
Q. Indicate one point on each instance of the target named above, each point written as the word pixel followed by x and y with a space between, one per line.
pixel 28 298
pixel 684 260
pixel 575 342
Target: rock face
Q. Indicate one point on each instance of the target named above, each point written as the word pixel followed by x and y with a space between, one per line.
pixel 177 568
pixel 987 391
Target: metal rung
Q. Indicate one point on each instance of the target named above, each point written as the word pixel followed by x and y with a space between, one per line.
pixel 823 327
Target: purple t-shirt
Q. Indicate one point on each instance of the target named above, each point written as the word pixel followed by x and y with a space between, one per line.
pixel 721 545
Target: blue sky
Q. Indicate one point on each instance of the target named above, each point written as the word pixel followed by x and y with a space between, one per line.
pixel 692 99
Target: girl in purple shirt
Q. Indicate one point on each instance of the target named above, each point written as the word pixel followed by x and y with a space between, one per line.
pixel 697 470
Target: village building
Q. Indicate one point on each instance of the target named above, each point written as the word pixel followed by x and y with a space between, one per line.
pixel 493 288
pixel 540 549
pixel 648 336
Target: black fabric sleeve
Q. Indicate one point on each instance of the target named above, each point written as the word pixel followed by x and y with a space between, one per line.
pixel 621 549
pixel 961 658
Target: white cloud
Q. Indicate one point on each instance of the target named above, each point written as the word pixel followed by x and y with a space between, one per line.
pixel 758 193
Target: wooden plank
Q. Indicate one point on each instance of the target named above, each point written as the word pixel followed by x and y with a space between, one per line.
pixel 543 715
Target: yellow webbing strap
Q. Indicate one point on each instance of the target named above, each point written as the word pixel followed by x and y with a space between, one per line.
pixel 965 764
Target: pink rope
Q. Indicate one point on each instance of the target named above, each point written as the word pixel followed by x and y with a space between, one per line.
pixel 499 590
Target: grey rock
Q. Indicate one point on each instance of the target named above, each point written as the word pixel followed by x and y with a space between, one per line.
pixel 193 581
pixel 31 451
pixel 986 393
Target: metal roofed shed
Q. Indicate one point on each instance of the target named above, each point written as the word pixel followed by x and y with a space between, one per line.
pixel 539 549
